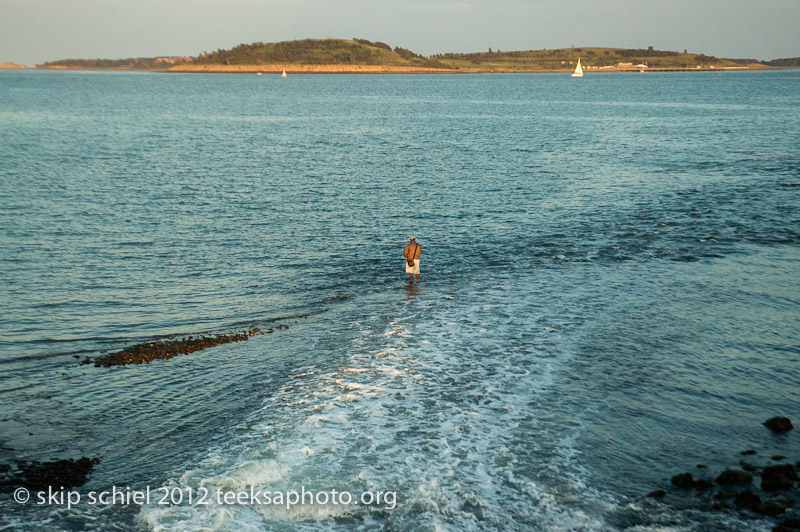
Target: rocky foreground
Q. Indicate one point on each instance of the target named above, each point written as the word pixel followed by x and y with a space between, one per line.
pixel 769 490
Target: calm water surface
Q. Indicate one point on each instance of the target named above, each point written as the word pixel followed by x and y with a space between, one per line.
pixel 610 294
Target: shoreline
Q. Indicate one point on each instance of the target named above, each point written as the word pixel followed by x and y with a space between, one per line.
pixel 382 69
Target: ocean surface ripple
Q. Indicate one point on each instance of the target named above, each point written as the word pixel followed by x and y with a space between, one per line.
pixel 610 294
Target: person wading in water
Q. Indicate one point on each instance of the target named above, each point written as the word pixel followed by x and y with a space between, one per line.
pixel 411 252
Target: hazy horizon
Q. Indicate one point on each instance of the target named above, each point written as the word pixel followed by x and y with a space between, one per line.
pixel 35 31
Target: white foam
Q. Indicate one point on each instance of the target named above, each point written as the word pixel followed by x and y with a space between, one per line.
pixel 443 413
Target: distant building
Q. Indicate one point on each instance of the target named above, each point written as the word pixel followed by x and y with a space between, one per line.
pixel 173 60
pixel 624 65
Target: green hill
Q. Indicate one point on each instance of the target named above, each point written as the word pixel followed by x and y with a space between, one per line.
pixel 561 59
pixel 790 62
pixel 318 52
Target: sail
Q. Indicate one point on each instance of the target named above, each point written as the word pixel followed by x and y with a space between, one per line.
pixel 578 70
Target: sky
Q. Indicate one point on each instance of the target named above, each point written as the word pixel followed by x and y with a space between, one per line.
pixel 34 31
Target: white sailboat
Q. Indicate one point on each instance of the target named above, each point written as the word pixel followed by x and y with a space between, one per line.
pixel 283 74
pixel 578 70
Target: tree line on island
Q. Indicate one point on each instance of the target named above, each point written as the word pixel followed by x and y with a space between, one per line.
pixel 365 52
pixel 318 52
pixel 558 59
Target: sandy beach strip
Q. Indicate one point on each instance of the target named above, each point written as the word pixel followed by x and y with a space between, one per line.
pixel 388 69
pixel 307 69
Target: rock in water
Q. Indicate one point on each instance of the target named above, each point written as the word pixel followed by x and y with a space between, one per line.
pixel 731 477
pixel 684 481
pixel 791 523
pixel 703 484
pixel 748 499
pixel 779 424
pixel 771 508
pixel 61 474
pixel 778 477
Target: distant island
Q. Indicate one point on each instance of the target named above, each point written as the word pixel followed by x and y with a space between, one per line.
pixel 364 56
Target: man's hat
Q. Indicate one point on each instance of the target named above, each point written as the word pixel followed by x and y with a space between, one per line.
pixel 412 237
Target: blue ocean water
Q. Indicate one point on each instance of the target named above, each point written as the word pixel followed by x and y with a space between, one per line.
pixel 610 292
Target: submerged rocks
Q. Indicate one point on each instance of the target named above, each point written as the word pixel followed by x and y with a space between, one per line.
pixel 683 481
pixel 778 477
pixel 144 353
pixel 773 478
pixel 748 499
pixel 703 484
pixel 779 425
pixel 686 481
pixel 731 477
pixel 751 501
pixel 772 508
pixel 61 474
pixel 777 491
pixel 789 524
